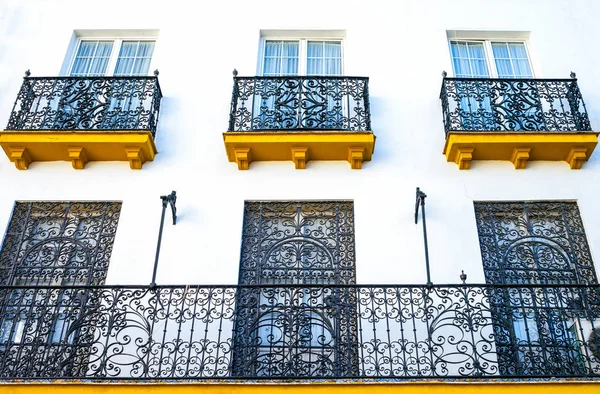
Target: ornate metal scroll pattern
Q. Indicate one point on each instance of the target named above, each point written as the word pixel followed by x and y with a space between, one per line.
pixel 300 103
pixel 189 332
pixel 537 243
pixel 56 243
pixel 279 331
pixel 477 104
pixel 87 103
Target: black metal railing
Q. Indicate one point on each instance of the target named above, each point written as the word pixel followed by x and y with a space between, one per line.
pixel 300 103
pixel 304 332
pixel 483 104
pixel 87 103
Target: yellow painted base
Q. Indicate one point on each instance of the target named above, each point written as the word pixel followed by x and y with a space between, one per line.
pixel 518 148
pixel 78 147
pixel 299 147
pixel 298 388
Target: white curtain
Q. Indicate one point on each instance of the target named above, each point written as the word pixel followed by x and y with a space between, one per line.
pixel 92 58
pixel 134 58
pixel 324 58
pixel 281 58
pixel 469 60
pixel 511 60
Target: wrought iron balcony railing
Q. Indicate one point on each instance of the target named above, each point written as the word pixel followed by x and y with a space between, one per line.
pixel 87 103
pixel 300 103
pixel 289 331
pixel 524 105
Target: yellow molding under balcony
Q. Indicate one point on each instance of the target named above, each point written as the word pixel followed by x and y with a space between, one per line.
pixel 241 387
pixel 299 147
pixel 518 148
pixel 78 147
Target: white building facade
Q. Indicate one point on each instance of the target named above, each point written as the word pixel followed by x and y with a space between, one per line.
pixel 316 189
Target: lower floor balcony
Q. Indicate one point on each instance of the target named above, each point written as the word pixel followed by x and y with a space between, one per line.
pixel 376 333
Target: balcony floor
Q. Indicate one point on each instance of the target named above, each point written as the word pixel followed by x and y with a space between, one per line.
pixel 519 147
pixel 325 387
pixel 299 147
pixel 78 147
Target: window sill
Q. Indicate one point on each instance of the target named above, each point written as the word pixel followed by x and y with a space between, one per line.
pixel 299 147
pixel 519 147
pixel 78 147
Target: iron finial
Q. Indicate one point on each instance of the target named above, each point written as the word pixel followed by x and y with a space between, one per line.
pixel 444 74
pixel 573 75
pixel 27 73
pixel 235 72
pixel 156 72
pixel 463 277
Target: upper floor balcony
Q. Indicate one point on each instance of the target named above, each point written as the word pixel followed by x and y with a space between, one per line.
pixel 81 119
pixel 299 118
pixel 376 332
pixel 516 120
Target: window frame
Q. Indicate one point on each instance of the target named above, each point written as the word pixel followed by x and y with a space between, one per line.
pixel 489 54
pixel 302 53
pixel 117 42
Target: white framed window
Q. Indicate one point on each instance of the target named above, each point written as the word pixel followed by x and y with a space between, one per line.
pixel 112 56
pixel 301 56
pixel 490 59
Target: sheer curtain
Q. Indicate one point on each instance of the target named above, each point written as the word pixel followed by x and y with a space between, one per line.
pixel 511 60
pixel 134 58
pixel 324 58
pixel 469 61
pixel 92 58
pixel 281 58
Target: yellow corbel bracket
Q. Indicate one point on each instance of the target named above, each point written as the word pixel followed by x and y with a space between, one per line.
pixel 355 157
pixel 242 158
pixel 20 156
pixel 576 157
pixel 135 155
pixel 519 157
pixel 299 157
pixel 78 157
pixel 464 157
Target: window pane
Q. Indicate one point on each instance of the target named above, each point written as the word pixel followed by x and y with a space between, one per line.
pixel 289 49
pixel 92 58
pixel 324 58
pixel 522 68
pixel 281 58
pixel 511 60
pixel 289 66
pixel 271 66
pixel 314 66
pixel 315 49
pixel 468 59
pixel 134 58
pixel 273 48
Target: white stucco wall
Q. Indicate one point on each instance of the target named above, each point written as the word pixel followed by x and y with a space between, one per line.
pixel 401 45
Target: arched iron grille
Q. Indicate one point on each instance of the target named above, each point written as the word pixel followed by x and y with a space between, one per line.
pixel 49 249
pixel 537 244
pixel 290 324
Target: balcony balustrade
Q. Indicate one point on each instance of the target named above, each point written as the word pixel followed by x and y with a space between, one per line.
pixel 300 332
pixel 516 120
pixel 83 119
pixel 299 118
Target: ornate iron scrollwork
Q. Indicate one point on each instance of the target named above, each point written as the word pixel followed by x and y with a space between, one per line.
pixel 537 243
pixel 292 330
pixel 483 104
pixel 300 103
pixel 42 330
pixel 87 103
